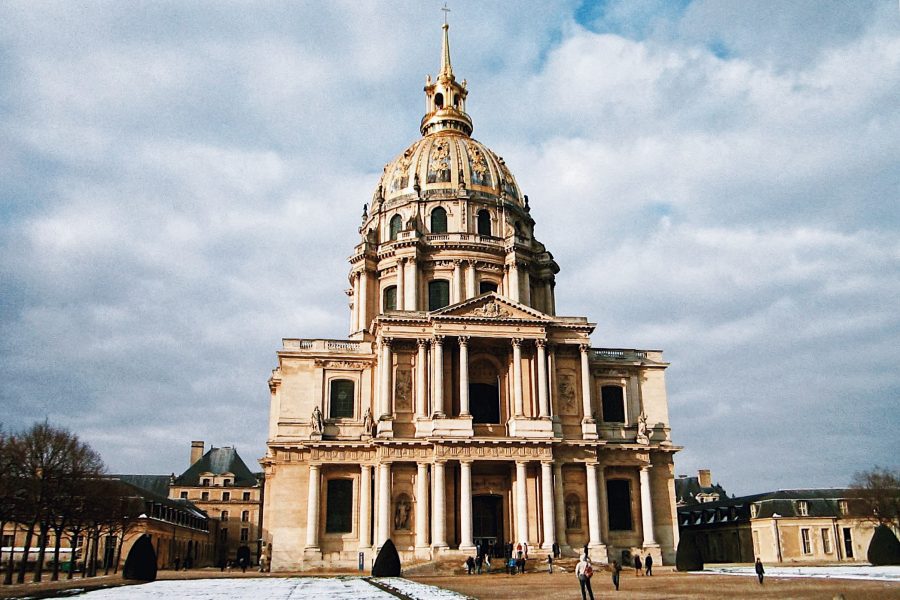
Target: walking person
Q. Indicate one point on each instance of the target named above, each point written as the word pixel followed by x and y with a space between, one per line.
pixel 759 570
pixel 616 571
pixel 637 564
pixel 479 561
pixel 470 564
pixel 584 571
pixel 648 565
pixel 550 564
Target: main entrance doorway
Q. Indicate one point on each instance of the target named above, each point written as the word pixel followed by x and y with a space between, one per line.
pixel 487 523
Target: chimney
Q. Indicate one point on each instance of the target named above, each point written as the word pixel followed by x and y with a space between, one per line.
pixel 196 451
pixel 705 478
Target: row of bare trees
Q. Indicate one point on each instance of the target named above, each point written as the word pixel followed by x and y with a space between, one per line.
pixel 51 484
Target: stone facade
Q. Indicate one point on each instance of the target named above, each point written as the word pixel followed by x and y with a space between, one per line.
pixel 461 410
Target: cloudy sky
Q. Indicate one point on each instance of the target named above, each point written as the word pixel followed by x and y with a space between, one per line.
pixel 180 186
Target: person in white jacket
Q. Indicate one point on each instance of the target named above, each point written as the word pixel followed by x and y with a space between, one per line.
pixel 584 571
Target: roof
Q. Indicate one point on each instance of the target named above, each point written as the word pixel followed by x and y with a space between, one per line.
pixel 157 484
pixel 687 489
pixel 127 485
pixel 219 461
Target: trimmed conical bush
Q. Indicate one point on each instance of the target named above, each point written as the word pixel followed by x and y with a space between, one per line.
pixel 387 563
pixel 884 549
pixel 688 557
pixel 141 562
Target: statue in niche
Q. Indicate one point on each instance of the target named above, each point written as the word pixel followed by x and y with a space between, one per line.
pixel 316 422
pixel 643 431
pixel 402 511
pixel 573 513
pixel 567 394
pixel 403 390
pixel 368 422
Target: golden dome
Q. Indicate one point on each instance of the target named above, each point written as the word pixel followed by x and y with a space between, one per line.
pixel 447 162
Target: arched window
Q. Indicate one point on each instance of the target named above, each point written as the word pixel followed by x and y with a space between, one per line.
pixel 439 220
pixel 339 506
pixel 439 100
pixel 341 400
pixel 613 400
pixel 396 225
pixel 389 299
pixel 438 294
pixel 484 222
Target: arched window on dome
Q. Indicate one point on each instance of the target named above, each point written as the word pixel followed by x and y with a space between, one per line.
pixel 438 294
pixel 389 298
pixel 484 222
pixel 439 220
pixel 438 101
pixel 396 225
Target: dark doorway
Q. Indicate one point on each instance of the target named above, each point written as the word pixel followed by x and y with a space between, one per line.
pixel 484 403
pixel 487 522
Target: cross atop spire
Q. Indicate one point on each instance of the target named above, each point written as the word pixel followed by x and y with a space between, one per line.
pixel 446 69
pixel 446 12
pixel 445 97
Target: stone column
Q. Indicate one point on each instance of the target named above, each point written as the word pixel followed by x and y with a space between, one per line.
pixel 437 375
pixel 401 284
pixel 354 314
pixel 438 507
pixel 384 503
pixel 365 507
pixel 514 282
pixel 466 543
pixel 559 505
pixel 604 505
pixel 548 298
pixel 526 287
pixel 471 285
pixel 386 368
pixel 547 504
pixel 593 508
pixel 551 377
pixel 646 507
pixel 463 375
pixel 421 505
pixel 519 404
pixel 543 399
pixel 412 300
pixel 422 378
pixel 456 287
pixel 363 299
pixel 586 383
pixel 521 502
pixel 312 509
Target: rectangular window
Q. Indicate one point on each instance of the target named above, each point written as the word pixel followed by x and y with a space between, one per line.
pixel 245 516
pixel 804 536
pixel 803 507
pixel 204 495
pixel 205 483
pixel 341 405
pixel 487 286
pixel 226 496
pixel 389 301
pixel 339 511
pixel 184 495
pixel 224 515
pixel 246 496
pixel 842 507
pixel 245 534
pixel 848 542
pixel 7 541
pixel 618 499
pixel 826 540
pixel 438 294
pixel 613 399
pixel 755 543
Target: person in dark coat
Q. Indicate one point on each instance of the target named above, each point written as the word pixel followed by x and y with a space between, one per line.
pixel 637 564
pixel 759 570
pixel 648 565
pixel 470 564
pixel 479 561
pixel 616 571
pixel 550 564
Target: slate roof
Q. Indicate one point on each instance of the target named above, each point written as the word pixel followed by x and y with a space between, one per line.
pixel 219 461
pixel 687 488
pixel 131 484
pixel 784 503
pixel 157 484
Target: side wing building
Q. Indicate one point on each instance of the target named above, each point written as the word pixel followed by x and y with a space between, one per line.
pixel 462 411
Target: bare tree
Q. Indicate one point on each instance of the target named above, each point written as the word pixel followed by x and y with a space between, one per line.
pixel 879 491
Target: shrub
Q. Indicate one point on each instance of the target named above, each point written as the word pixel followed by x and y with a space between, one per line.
pixel 884 549
pixel 688 557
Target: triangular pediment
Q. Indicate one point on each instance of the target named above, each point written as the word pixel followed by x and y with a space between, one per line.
pixel 491 306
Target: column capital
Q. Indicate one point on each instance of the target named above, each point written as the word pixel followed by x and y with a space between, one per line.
pixel 422 342
pixel 646 468
pixel 471 262
pixel 456 262
pixel 387 341
pixel 423 463
pixel 516 342
pixel 439 461
pixel 522 461
pixel 438 340
pixel 466 461
pixel 463 339
pixel 584 348
pixel 550 462
pixel 540 343
pixel 401 259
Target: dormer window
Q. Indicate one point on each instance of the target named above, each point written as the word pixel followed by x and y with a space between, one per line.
pixel 754 511
pixel 205 482
pixel 842 507
pixel 226 483
pixel 803 508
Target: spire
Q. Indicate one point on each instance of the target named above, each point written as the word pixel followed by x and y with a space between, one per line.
pixel 445 97
pixel 446 69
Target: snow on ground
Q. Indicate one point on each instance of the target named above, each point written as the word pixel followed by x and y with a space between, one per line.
pixel 833 572
pixel 275 588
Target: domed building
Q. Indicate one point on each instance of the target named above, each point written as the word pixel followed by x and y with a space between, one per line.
pixel 461 415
